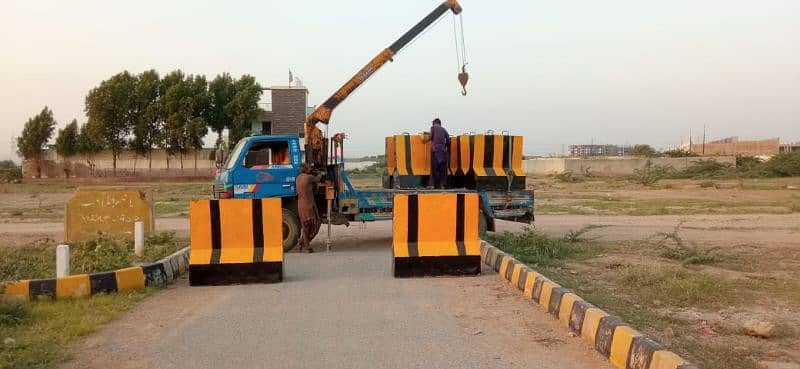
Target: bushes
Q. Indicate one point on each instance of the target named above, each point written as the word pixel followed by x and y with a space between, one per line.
pixel 13 311
pixel 536 248
pixel 783 165
pixel 679 153
pixel 10 172
pixel 780 165
pixel 652 173
pixel 707 168
pixel 101 254
pixel 746 164
pixel 644 150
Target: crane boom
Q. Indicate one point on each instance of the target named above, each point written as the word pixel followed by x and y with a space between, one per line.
pixel 315 142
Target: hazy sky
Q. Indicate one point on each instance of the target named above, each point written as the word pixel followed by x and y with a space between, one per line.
pixel 557 72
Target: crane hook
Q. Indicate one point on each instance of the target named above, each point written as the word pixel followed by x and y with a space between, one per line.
pixel 463 77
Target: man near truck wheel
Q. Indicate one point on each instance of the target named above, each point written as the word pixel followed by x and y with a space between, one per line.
pixel 440 143
pixel 310 220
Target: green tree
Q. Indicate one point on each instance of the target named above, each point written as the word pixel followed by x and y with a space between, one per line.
pixel 109 107
pixel 643 150
pixel 89 143
pixel 67 140
pixel 67 144
pixel 197 127
pixel 221 91
pixel 169 107
pixel 185 105
pixel 38 130
pixel 243 108
pixel 146 117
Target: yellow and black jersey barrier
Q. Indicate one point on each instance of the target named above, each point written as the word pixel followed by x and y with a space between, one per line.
pixel 235 241
pixel 408 160
pixel 435 234
pixel 491 155
pixel 622 345
pixel 477 161
pixel 155 274
pixel 488 161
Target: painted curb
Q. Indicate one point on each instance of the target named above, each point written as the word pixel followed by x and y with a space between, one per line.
pixel 621 344
pixel 157 274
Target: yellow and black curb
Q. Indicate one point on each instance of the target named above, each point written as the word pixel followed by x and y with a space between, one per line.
pixel 156 274
pixel 621 344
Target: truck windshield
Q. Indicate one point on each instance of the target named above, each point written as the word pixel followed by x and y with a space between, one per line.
pixel 235 155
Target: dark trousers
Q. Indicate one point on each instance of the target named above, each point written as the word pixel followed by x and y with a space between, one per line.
pixel 439 161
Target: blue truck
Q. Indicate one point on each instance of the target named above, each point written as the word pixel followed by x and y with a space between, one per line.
pixel 266 166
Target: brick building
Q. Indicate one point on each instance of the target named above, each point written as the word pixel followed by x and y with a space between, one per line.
pixel 285 113
pixel 734 146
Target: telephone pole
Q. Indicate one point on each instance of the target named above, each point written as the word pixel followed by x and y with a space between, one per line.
pixel 704 139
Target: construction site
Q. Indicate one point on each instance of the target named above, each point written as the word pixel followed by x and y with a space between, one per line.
pixel 231 222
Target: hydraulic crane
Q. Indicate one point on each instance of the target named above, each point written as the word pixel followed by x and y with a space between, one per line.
pixel 336 198
pixel 316 143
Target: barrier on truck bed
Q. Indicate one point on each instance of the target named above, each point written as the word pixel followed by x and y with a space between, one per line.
pixel 235 241
pixel 496 155
pixel 411 165
pixel 477 161
pixel 435 234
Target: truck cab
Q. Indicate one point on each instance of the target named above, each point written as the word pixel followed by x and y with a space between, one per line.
pixel 263 167
pixel 260 167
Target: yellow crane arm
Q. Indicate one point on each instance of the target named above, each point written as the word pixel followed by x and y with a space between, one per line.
pixel 315 142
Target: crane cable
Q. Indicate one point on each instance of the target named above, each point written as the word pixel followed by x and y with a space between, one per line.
pixel 461 56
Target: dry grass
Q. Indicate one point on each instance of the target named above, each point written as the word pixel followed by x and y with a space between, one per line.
pixel 616 196
pixel 44 201
pixel 674 303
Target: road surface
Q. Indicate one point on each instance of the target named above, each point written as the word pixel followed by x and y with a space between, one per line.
pixel 338 310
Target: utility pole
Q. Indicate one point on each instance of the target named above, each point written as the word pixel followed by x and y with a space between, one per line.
pixel 704 139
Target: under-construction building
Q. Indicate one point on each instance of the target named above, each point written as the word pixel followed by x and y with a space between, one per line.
pixel 598 150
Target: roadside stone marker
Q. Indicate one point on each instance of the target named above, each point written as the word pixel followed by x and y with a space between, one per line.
pixel 111 210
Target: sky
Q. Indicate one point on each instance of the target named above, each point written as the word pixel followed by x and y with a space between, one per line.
pixel 557 72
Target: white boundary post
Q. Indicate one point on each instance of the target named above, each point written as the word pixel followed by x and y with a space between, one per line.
pixel 138 238
pixel 62 261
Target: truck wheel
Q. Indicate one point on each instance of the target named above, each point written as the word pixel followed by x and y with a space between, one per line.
pixel 291 229
pixel 483 224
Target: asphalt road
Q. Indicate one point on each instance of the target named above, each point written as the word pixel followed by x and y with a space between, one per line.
pixel 338 310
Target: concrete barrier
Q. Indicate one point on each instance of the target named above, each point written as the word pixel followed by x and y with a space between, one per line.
pixel 621 344
pixel 156 274
pixel 611 166
pixel 435 234
pixel 235 241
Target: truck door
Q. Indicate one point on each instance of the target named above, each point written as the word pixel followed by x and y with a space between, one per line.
pixel 266 169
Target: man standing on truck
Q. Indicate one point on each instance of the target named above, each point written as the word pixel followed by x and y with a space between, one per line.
pixel 310 221
pixel 440 143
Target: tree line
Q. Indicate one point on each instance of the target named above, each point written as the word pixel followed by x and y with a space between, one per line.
pixel 145 111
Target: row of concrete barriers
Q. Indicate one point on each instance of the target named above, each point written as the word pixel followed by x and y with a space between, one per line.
pixel 156 274
pixel 622 345
pixel 240 240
